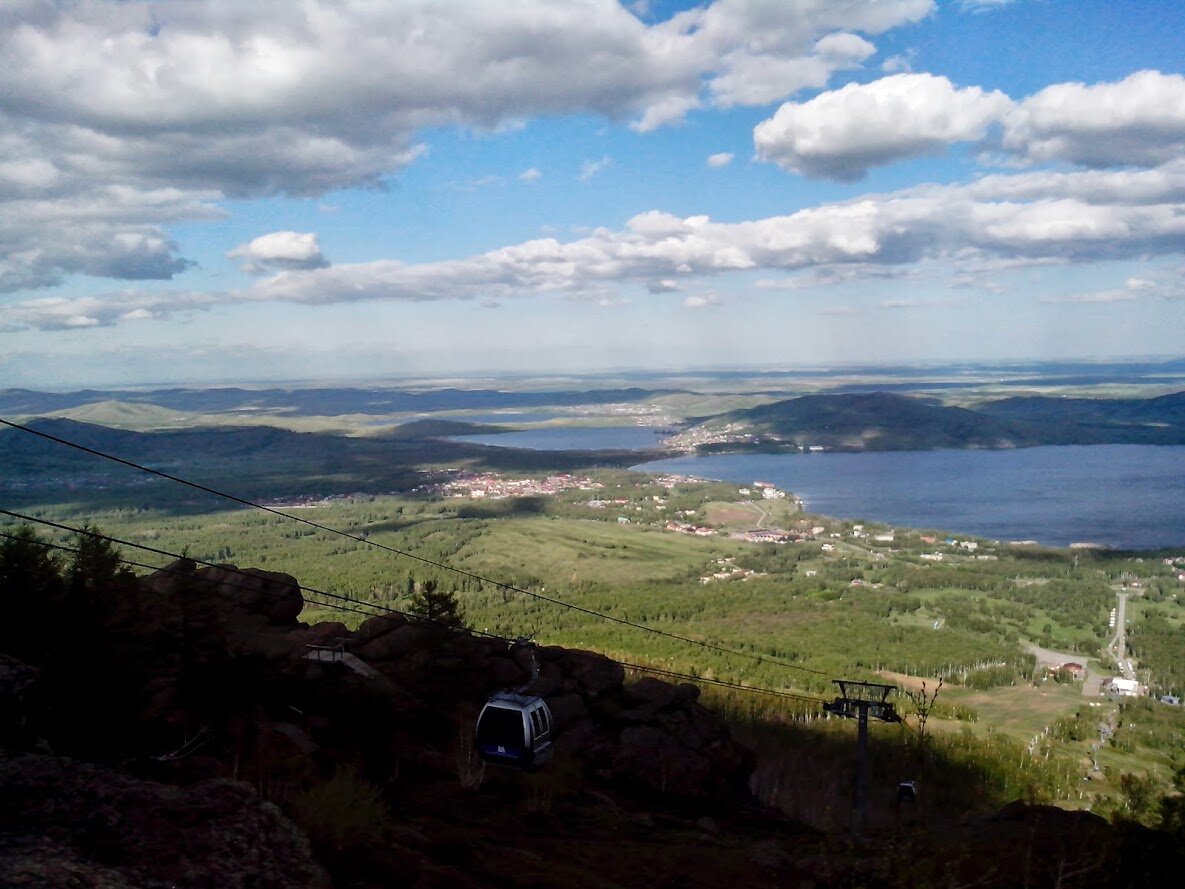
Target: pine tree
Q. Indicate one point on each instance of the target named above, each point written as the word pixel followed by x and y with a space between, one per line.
pixel 431 604
pixel 31 592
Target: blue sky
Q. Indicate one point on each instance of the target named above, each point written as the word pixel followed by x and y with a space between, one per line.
pixel 209 191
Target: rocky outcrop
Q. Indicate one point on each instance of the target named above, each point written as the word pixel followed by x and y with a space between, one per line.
pixel 18 682
pixel 198 674
pixel 646 735
pixel 65 823
pixel 219 651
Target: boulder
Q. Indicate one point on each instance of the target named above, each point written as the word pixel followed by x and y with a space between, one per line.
pixel 393 645
pixel 503 672
pixel 376 626
pixel 651 696
pixel 566 710
pixel 594 674
pixel 271 594
pixel 70 823
pixel 651 758
pixel 18 683
pixel 170 579
pixel 326 633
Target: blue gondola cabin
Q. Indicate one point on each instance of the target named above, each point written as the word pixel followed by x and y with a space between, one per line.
pixel 515 730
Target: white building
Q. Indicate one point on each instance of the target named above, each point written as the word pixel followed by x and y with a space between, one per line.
pixel 1127 688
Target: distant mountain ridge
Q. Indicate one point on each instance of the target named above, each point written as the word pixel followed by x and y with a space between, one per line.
pixel 263 461
pixel 886 421
pixel 321 402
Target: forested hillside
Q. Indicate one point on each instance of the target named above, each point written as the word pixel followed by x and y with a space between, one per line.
pixel 886 421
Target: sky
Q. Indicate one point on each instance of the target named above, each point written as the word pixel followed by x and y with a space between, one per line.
pixel 208 191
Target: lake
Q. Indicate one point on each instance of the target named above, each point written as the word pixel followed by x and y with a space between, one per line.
pixel 1125 496
pixel 574 438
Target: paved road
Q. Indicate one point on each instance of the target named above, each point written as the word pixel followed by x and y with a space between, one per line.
pixel 1118 646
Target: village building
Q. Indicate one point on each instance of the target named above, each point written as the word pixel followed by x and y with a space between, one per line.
pixel 1118 687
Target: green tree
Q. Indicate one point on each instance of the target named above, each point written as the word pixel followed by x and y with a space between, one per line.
pixel 1172 806
pixel 1138 798
pixel 31 588
pixel 97 566
pixel 434 605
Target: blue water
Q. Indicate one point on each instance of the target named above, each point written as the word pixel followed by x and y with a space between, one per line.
pixel 1125 496
pixel 497 417
pixel 509 417
pixel 574 438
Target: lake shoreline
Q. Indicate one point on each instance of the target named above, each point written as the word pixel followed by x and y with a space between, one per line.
pixel 1123 497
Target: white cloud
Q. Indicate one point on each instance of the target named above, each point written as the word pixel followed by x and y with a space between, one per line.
pixel 666 285
pixel 840 134
pixel 984 5
pixel 901 63
pixel 1139 120
pixel 1159 185
pixel 531 174
pixel 470 185
pixel 831 275
pixel 590 168
pixel 702 301
pixel 759 79
pixel 909 303
pixel 1133 288
pixel 63 313
pixel 723 159
pixel 212 99
pixel 992 224
pixel 101 231
pixel 868 235
pixel 218 91
pixel 280 250
pixel 1099 296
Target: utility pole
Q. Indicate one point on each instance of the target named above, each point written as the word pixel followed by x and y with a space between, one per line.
pixel 859 700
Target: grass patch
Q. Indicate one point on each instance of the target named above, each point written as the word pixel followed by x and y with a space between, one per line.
pixel 574 550
pixel 1019 711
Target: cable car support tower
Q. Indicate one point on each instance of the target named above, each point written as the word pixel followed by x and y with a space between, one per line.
pixel 859 700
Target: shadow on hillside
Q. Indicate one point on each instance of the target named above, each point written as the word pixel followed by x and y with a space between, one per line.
pixel 501 509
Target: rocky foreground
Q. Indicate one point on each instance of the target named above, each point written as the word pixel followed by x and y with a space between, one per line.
pixel 181 737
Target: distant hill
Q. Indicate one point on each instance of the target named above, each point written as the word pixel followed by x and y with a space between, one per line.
pixel 260 461
pixel 421 429
pixel 327 402
pixel 1158 420
pixel 885 421
pixel 878 421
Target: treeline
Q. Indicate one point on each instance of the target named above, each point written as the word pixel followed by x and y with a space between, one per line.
pixel 1159 646
pixel 54 608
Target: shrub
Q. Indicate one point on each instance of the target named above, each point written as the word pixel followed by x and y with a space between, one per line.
pixel 346 812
